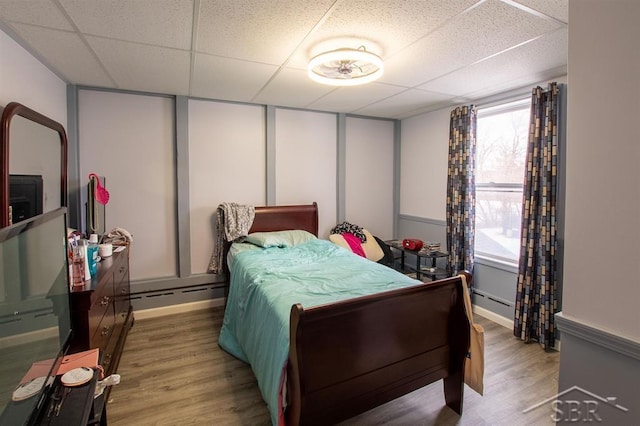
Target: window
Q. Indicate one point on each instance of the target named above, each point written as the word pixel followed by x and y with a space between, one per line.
pixel 502 136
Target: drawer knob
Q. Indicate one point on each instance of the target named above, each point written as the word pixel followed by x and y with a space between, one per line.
pixel 123 291
pixel 105 331
pixel 104 301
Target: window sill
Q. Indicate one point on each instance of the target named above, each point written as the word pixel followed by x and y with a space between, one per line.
pixel 497 264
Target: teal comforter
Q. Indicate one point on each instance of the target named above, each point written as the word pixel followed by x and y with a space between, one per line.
pixel 266 283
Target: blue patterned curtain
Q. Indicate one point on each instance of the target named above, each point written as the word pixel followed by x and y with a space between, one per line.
pixel 461 189
pixel 536 295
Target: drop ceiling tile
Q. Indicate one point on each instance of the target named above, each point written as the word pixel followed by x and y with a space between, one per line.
pixel 229 79
pixel 166 23
pixel 349 99
pixel 67 53
pixel 531 59
pixel 558 9
pixel 479 33
pixel 403 103
pixel 424 43
pixel 291 88
pixel 142 67
pixel 41 12
pixel 264 31
pixel 383 29
pixel 518 84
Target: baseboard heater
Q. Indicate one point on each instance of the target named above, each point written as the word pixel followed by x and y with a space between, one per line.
pixel 493 298
pixel 168 297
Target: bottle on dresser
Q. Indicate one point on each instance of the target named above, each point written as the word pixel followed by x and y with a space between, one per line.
pixel 76 263
pixel 92 254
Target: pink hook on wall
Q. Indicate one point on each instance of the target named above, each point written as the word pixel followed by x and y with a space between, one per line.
pixel 102 195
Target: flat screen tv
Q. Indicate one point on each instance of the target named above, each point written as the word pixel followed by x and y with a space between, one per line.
pixel 25 196
pixel 35 318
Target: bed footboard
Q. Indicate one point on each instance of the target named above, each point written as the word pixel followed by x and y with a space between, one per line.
pixel 348 357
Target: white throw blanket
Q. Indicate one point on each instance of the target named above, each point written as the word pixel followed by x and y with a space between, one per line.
pixel 232 222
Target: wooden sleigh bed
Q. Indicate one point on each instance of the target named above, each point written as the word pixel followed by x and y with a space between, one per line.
pixel 350 356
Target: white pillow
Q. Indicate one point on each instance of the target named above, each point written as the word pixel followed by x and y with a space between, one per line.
pixel 279 238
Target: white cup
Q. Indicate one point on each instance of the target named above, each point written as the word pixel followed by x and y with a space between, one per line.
pixel 105 250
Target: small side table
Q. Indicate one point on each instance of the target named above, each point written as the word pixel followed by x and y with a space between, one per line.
pixel 429 269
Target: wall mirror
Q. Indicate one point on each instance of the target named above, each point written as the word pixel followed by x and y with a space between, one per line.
pixel 34 152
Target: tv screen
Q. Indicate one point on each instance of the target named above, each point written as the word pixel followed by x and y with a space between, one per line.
pixel 35 318
pixel 25 196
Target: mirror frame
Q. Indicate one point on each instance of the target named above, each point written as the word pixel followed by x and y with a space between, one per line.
pixel 11 110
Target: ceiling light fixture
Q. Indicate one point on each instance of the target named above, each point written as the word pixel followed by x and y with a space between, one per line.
pixel 345 67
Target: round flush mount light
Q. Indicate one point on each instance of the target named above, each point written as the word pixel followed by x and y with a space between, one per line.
pixel 345 67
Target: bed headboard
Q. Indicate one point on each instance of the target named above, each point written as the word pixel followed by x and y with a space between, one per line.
pixel 283 218
pixel 280 218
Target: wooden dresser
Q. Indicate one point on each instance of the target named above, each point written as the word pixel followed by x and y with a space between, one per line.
pixel 101 311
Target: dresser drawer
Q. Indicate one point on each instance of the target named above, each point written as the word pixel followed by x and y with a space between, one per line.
pixel 101 311
pixel 121 270
pixel 109 352
pixel 102 304
pixel 121 301
pixel 103 331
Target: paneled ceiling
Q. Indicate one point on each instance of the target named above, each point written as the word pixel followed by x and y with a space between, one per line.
pixel 437 53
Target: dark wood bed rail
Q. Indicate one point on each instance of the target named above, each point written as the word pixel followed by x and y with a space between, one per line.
pixel 348 357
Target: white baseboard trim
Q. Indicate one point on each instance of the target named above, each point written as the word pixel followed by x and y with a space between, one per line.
pixel 178 309
pixel 503 321
pixel 498 319
pixel 212 303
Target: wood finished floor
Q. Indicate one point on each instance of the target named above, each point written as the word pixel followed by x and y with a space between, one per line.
pixel 174 373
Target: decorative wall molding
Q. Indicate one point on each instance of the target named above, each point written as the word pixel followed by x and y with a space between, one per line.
pixel 423 220
pixel 605 338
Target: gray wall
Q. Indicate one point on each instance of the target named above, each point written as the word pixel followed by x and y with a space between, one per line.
pixel 170 162
pixel 422 212
pixel 606 369
pixel 493 285
pixel 600 320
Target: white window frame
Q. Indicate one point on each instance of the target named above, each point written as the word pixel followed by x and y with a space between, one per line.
pixel 483 112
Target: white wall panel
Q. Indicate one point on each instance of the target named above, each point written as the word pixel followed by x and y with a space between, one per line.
pixel 600 319
pixel 306 152
pixel 369 175
pixel 603 191
pixel 226 164
pixel 129 140
pixel 24 79
pixel 423 175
